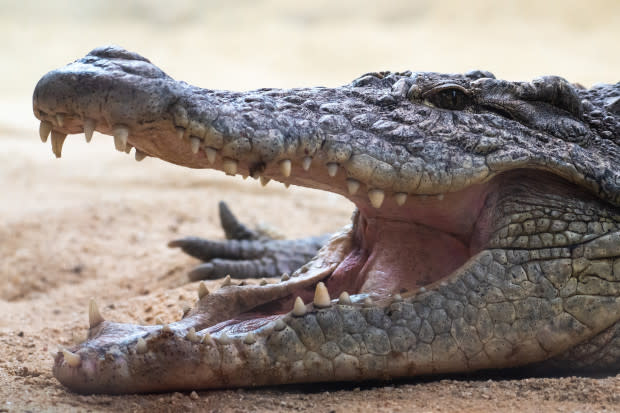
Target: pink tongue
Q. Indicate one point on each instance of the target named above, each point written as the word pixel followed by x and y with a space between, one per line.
pixel 396 256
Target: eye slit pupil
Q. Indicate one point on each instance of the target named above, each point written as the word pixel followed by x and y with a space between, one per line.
pixel 452 99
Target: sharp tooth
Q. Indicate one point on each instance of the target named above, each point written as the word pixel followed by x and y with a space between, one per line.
pixel 344 298
pixel 249 338
pixel 400 198
pixel 285 277
pixel 229 166
pixel 206 338
pixel 180 132
pixel 191 335
pixel 367 302
pixel 224 339
pixel 94 316
pixel 89 128
pixel 72 359
pixel 121 134
pixel 141 346
pixel 202 290
pixel 195 143
pixel 264 180
pixel 58 139
pixel 306 163
pixel 352 186
pixel 45 128
pixel 332 169
pixel 159 321
pixel 211 153
pixel 227 281
pixel 286 185
pixel 263 282
pixel 321 296
pixel 166 329
pixel 128 149
pixel 299 308
pixel 285 167
pixel 397 297
pixel 279 325
pixel 139 155
pixel 376 197
pixel 60 119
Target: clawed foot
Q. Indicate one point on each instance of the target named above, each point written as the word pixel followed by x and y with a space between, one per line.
pixel 247 253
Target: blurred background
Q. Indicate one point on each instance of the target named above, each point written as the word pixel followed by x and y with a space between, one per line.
pixel 247 44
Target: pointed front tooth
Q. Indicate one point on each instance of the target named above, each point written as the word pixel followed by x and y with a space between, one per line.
pixel 306 163
pixel 139 155
pixel 224 339
pixel 321 296
pixel 128 149
pixel 332 169
pixel 299 308
pixel 94 316
pixel 141 346
pixel 45 128
pixel 60 119
pixel 195 143
pixel 227 281
pixel 285 167
pixel 121 135
pixel 202 290
pixel 211 153
pixel 352 186
pixel 279 325
pixel 400 198
pixel 72 359
pixel 58 139
pixel 89 128
pixel 191 335
pixel 180 132
pixel 264 180
pixel 229 166
pixel 344 298
pixel 166 329
pixel 376 197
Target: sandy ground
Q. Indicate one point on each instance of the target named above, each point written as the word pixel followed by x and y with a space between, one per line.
pixel 96 224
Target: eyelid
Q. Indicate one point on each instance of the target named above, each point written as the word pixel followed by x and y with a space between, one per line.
pixel 446 86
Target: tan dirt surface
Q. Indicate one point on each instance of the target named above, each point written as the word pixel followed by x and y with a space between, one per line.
pixel 96 223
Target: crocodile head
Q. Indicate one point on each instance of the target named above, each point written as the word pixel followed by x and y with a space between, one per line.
pixel 486 231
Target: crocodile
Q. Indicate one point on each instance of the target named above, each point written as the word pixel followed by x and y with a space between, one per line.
pixel 486 233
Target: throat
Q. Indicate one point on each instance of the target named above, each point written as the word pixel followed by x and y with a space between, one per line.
pixel 393 256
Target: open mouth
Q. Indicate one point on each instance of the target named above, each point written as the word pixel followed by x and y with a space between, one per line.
pixel 450 263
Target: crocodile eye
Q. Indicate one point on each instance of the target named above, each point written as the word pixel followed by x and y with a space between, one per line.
pixel 451 98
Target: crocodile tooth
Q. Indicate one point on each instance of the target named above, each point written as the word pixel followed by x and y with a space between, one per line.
pixel 422 289
pixel 249 338
pixel 400 198
pixel 94 316
pixel 344 298
pixel 376 197
pixel 72 359
pixel 287 185
pixel 321 296
pixel 89 128
pixel 206 338
pixel 191 335
pixel 141 346
pixel 367 302
pixel 211 153
pixel 299 308
pixel 279 325
pixel 285 277
pixel 195 144
pixel 58 139
pixel 121 134
pixel 285 167
pixel 306 163
pixel 60 119
pixel 202 290
pixel 159 321
pixel 397 297
pixel 224 339
pixel 263 282
pixel 264 180
pixel 332 169
pixel 128 149
pixel 45 128
pixel 352 186
pixel 227 281
pixel 229 166
pixel 166 329
pixel 139 155
pixel 180 132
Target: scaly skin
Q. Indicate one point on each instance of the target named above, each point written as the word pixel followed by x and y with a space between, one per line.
pixel 486 234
